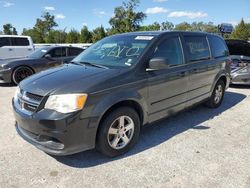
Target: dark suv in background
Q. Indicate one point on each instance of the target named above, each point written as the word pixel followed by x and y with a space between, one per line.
pixel 103 97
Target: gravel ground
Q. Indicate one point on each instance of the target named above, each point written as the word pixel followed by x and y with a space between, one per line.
pixel 197 148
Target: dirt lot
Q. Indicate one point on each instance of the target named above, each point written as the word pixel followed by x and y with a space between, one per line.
pixel 197 148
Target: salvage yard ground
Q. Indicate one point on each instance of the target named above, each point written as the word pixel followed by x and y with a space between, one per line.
pixel 200 147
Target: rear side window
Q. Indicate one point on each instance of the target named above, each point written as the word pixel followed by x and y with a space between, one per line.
pixel 16 41
pixel 171 50
pixel 4 41
pixel 74 51
pixel 197 48
pixel 218 47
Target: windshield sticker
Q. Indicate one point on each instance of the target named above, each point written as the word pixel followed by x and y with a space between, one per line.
pixel 144 38
pixel 44 51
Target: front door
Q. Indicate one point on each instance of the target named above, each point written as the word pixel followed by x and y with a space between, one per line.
pixel 167 88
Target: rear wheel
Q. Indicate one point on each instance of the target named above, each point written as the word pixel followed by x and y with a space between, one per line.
pixel 217 96
pixel 118 132
pixel 20 73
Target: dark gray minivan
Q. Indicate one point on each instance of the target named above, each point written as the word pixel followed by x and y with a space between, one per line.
pixel 103 97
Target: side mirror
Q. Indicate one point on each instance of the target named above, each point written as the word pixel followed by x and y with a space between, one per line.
pixel 157 63
pixel 47 56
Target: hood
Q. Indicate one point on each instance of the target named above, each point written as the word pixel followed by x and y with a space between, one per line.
pixel 68 78
pixel 14 61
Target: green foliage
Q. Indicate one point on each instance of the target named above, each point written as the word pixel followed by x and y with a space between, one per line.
pixel 125 18
pixel 56 36
pixel 34 34
pixel 152 27
pixel 98 34
pixel 86 36
pixel 241 31
pixel 8 29
pixel 184 26
pixel 73 36
pixel 43 26
pixel 169 26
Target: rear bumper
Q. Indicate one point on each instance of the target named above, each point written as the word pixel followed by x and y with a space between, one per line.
pixel 5 75
pixel 55 134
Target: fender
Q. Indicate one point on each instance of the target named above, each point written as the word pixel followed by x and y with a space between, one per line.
pixel 114 98
pixel 218 76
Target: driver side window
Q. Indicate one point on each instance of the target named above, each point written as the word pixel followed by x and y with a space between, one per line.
pixel 170 49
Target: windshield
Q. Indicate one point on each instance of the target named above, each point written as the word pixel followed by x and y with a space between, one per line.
pixel 116 51
pixel 39 53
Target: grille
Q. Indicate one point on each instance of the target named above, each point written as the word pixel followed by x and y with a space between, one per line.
pixel 29 102
pixel 34 97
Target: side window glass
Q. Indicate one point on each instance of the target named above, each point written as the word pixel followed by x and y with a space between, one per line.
pixel 218 47
pixel 4 41
pixel 170 49
pixel 17 41
pixel 74 51
pixel 197 48
pixel 58 52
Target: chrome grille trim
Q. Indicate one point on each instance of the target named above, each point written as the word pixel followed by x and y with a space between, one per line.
pixel 27 102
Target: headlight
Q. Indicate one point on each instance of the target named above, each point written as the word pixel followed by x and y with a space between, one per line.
pixel 66 103
pixel 17 92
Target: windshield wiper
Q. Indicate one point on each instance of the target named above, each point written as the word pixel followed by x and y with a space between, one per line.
pixel 92 64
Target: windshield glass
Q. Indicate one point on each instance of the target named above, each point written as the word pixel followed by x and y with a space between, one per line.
pixel 116 51
pixel 39 53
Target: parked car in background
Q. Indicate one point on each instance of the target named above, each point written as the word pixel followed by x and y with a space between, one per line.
pixel 15 70
pixel 13 46
pixel 240 54
pixel 103 97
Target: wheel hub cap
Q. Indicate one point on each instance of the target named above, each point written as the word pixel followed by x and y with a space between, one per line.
pixel 120 132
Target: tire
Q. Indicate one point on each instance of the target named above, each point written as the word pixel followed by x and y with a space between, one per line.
pixel 118 132
pixel 20 73
pixel 217 96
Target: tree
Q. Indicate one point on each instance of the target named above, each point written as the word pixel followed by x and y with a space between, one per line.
pixel 8 29
pixel 152 27
pixel 98 34
pixel 86 36
pixel 56 36
pixel 73 36
pixel 126 19
pixel 34 34
pixel 241 31
pixel 184 26
pixel 169 26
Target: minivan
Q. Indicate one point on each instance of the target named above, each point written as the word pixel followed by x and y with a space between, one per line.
pixel 119 84
pixel 14 46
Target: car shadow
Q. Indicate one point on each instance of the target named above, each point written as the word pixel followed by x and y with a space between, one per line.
pixel 157 133
pixel 238 86
pixel 7 85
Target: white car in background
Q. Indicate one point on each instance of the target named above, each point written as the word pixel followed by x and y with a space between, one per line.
pixel 13 46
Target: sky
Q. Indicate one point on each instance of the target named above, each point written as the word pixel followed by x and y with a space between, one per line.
pixel 93 13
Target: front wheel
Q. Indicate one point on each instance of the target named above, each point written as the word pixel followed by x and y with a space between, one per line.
pixel 217 96
pixel 20 73
pixel 118 132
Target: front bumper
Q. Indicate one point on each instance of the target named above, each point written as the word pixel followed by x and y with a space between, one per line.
pixel 55 133
pixel 241 76
pixel 5 75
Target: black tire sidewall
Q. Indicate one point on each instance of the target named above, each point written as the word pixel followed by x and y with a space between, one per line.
pixel 102 142
pixel 15 71
pixel 212 101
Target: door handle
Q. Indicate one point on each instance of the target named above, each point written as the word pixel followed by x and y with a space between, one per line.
pixel 10 49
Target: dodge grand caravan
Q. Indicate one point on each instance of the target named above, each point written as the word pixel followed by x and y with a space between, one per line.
pixel 103 97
